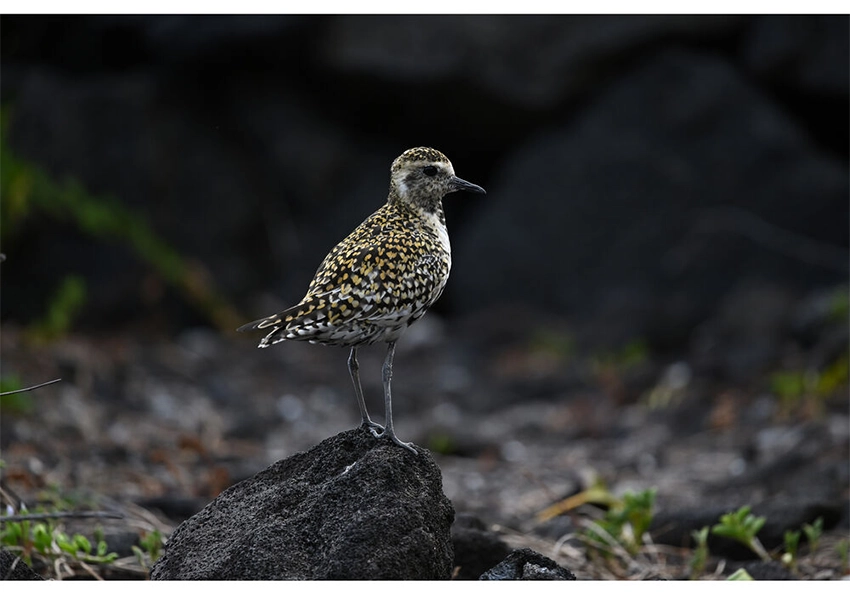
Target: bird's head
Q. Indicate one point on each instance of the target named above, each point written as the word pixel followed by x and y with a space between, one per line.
pixel 423 176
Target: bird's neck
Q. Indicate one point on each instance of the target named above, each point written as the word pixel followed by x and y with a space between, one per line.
pixel 425 207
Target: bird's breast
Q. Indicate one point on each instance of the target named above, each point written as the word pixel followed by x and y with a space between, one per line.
pixel 435 223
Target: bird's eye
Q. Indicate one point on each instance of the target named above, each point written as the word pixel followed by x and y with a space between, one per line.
pixel 431 170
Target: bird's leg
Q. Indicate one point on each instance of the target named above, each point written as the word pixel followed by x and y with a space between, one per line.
pixel 387 373
pixel 354 370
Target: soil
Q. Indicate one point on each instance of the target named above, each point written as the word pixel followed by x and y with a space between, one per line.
pixel 518 417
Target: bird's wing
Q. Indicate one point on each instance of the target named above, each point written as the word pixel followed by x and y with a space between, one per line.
pixel 371 276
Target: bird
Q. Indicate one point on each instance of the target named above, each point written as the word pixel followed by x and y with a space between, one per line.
pixel 381 278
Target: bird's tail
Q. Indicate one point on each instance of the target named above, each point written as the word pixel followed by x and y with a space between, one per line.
pixel 275 322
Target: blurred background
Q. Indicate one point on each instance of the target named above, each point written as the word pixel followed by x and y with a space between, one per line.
pixel 658 271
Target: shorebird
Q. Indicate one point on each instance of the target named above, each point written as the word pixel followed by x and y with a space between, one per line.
pixel 381 278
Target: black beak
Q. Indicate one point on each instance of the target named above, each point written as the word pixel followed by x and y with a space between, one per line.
pixel 458 184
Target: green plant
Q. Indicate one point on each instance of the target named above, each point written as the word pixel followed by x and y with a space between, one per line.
pixel 700 554
pixel 47 540
pixel 739 575
pixel 843 548
pixel 28 190
pixel 788 385
pixel 834 376
pixel 61 310
pixel 839 307
pixel 15 402
pixel 597 493
pixel 811 386
pixel 792 541
pixel 14 399
pixel 548 342
pixel 149 549
pixel 38 535
pixel 53 499
pixel 442 442
pixel 627 520
pixel 742 526
pixel 813 533
pixel 633 353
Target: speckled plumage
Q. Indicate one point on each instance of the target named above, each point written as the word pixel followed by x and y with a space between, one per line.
pixel 382 277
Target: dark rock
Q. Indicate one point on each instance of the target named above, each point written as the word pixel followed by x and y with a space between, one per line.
pixel 12 568
pixel 176 508
pixel 764 571
pixel 88 43
pixel 644 210
pixel 800 53
pixel 535 61
pixel 352 507
pixel 743 337
pixel 121 541
pixel 187 40
pixel 476 549
pixel 527 565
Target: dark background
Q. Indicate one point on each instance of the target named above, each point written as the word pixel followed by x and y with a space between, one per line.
pixel 640 169
pixel 652 294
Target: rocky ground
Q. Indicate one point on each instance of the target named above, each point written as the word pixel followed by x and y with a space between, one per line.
pixel 518 418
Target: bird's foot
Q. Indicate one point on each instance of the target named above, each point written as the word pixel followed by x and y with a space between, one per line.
pixel 383 433
pixel 391 435
pixel 407 445
pixel 374 427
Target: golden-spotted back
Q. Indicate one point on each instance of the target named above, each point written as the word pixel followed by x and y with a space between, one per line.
pixel 388 271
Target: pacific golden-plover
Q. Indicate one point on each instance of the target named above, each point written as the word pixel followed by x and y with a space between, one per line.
pixel 382 277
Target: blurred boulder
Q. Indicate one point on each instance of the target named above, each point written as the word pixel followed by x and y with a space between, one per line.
pixel 638 215
pixel 800 52
pixel 531 61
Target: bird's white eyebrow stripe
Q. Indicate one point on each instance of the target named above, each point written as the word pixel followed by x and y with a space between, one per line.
pixel 442 165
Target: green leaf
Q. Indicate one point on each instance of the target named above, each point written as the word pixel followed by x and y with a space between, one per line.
pixel 140 555
pixel 42 538
pixel 740 575
pixel 12 534
pixel 64 306
pixel 792 541
pixel 700 554
pixel 743 527
pixel 65 544
pixel 739 525
pixel 82 543
pixel 813 533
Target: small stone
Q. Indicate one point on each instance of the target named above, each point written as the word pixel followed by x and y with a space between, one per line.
pixel 527 565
